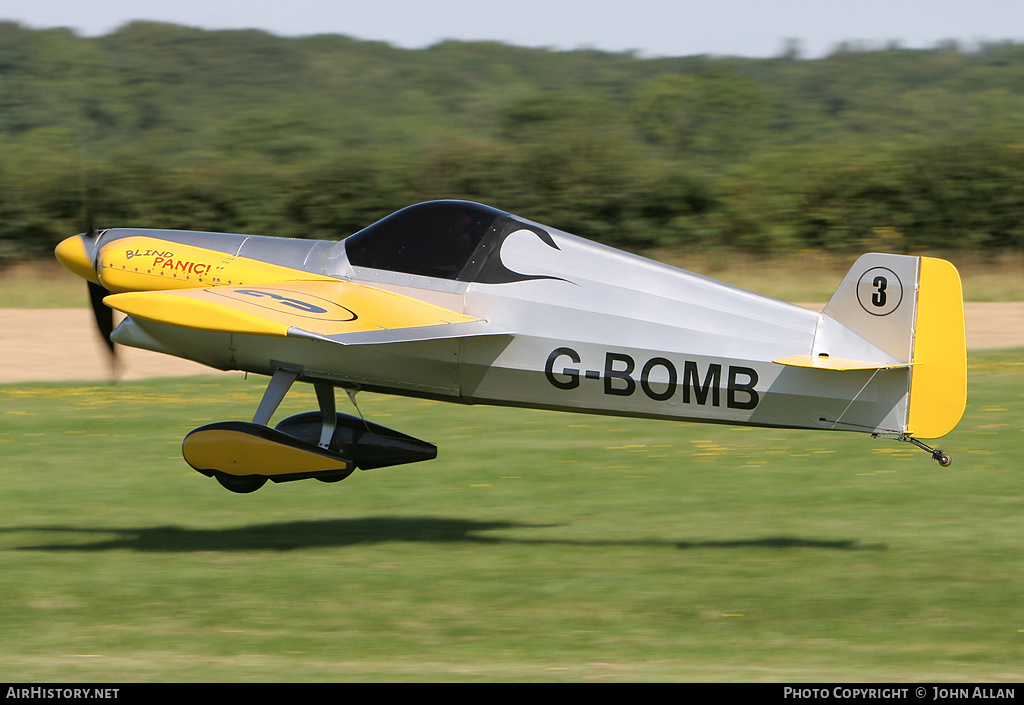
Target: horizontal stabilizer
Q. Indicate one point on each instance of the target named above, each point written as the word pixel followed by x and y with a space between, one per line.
pixel 838 364
pixel 339 311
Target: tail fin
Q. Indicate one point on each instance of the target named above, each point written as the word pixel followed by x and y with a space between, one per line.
pixel 911 309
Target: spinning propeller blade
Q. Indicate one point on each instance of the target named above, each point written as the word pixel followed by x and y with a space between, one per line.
pixel 89 247
pixel 103 315
pixel 78 254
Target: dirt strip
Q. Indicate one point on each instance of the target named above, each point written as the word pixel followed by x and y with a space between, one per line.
pixel 58 344
pixel 50 345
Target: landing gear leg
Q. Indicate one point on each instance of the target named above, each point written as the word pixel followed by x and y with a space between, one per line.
pixel 322 445
pixel 279 385
pixel 938 456
pixel 328 412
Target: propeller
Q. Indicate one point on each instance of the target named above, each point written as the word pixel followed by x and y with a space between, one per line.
pixel 90 242
pixel 79 253
pixel 104 317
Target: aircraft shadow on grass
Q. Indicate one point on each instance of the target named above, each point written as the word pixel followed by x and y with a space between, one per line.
pixel 342 533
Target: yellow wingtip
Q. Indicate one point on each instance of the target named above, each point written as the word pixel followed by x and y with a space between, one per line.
pixel 188 312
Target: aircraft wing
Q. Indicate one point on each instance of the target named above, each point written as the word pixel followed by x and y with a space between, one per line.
pixel 339 311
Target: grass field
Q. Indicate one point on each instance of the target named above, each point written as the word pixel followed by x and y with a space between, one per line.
pixel 538 547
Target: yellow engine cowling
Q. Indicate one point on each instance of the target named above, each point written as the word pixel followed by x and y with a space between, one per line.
pixel 148 264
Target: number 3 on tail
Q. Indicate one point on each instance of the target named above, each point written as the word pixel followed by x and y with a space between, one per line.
pixel 878 298
pixel 879 291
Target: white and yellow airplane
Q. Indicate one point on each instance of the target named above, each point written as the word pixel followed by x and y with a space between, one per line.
pixel 460 302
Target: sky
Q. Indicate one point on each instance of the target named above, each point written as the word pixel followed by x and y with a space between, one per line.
pixel 752 28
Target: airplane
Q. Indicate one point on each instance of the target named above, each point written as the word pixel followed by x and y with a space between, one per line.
pixel 461 302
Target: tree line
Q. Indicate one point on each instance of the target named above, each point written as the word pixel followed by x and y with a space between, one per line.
pixel 157 125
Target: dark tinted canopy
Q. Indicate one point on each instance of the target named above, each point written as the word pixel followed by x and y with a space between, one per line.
pixel 437 239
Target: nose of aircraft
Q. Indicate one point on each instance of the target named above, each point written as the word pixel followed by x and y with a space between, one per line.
pixel 76 254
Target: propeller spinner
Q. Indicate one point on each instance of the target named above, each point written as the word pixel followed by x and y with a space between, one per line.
pixel 78 254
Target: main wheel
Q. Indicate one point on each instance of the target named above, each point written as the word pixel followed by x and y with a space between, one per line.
pixel 241 484
pixel 944 460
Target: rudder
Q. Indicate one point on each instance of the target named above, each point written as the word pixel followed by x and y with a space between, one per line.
pixel 911 309
pixel 938 386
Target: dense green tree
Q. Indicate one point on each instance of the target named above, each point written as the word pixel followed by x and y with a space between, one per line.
pixel 156 125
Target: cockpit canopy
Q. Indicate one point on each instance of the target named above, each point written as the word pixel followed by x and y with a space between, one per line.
pixel 443 239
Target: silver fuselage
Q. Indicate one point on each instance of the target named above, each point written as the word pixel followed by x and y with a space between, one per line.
pixel 591 329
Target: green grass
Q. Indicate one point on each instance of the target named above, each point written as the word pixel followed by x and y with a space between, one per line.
pixel 539 546
pixel 41 285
